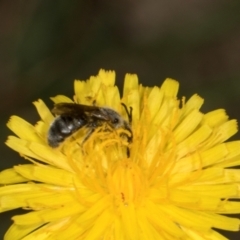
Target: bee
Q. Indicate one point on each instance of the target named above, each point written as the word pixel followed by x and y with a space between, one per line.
pixel 71 117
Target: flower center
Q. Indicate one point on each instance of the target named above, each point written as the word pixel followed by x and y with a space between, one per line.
pixel 126 183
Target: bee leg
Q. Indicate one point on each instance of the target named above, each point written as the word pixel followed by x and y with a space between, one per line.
pixel 127 127
pixel 128 152
pixel 129 138
pixel 89 133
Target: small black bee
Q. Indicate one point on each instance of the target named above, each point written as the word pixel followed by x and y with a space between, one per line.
pixel 72 116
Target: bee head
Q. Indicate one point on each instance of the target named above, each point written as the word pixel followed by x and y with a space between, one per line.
pixel 113 118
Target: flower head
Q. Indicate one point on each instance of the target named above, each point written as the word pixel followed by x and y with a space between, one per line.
pixel 171 181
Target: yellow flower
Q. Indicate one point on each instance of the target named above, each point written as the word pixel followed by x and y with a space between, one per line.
pixel 175 183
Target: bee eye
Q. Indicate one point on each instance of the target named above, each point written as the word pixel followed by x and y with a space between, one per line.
pixel 115 120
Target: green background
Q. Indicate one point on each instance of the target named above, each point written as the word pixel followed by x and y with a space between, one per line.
pixel 45 45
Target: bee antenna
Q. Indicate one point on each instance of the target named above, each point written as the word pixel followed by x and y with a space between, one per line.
pixel 129 112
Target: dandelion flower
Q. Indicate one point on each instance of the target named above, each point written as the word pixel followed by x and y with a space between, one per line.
pixel 175 182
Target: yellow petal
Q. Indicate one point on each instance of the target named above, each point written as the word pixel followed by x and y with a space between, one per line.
pixel 227 130
pixel 131 95
pixel 47 174
pixel 112 98
pixel 61 99
pixel 50 156
pixel 26 131
pixel 130 83
pixel 215 118
pixel 200 220
pixel 17 232
pixel 107 77
pixel 187 126
pixel 201 159
pixel 229 207
pixel 43 111
pixel 129 221
pixel 194 141
pixel 200 235
pixel 16 200
pixel 154 101
pixel 10 176
pixel 79 89
pixel 100 226
pixel 47 215
pixel 220 190
pixel 170 87
pixel 21 146
pixel 146 228
pixel 154 213
pixel 95 209
pixel 195 102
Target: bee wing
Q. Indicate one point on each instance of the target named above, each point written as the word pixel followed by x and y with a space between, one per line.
pixel 73 109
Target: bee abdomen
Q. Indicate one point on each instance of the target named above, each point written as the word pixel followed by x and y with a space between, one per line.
pixel 62 127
